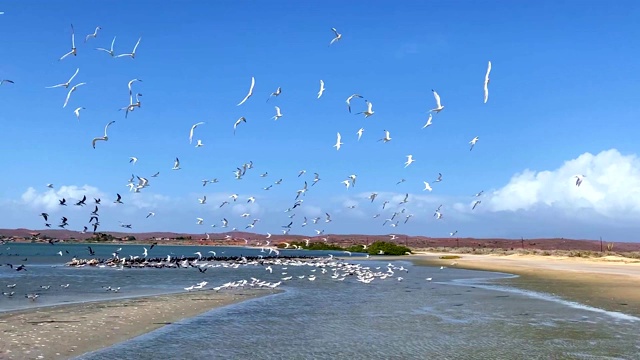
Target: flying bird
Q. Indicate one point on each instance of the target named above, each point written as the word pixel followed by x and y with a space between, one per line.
pixel 473 142
pixel 253 83
pixel 337 37
pixel 235 125
pixel 176 164
pixel 133 160
pixel 338 142
pixel 73 45
pixel 192 129
pixel 349 100
pixel 439 106
pixel 579 179
pixel 77 112
pixel 276 93
pixel 486 83
pixel 278 114
pixel 428 121
pixel 476 203
pixel 426 186
pixel 110 51
pixel 369 110
pixel 133 53
pixel 6 81
pixel 94 35
pixel 66 84
pixel 386 137
pixel 409 160
pixel 66 101
pixel 359 132
pixel 321 89
pixel 103 138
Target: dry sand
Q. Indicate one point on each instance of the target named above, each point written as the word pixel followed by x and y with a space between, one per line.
pixel 609 283
pixel 65 331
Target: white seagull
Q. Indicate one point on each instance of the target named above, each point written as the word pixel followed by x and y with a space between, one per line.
pixel 133 53
pixel 203 200
pixel 321 89
pixel 73 45
pixel 276 93
pixel 369 110
pixel 66 85
pixel 192 129
pixel 473 142
pixel 338 142
pixel 386 137
pixel 77 112
pixel 176 165
pixel 66 101
pixel 349 100
pixel 235 125
pixel 199 143
pixel 103 138
pixel 426 186
pixel 428 121
pixel 110 51
pixel 278 114
pixel 409 160
pixel 253 83
pixel 439 106
pixel 359 132
pixel 133 160
pixel 94 35
pixel 486 83
pixel 337 37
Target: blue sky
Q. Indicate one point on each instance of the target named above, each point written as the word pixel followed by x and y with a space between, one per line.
pixel 563 101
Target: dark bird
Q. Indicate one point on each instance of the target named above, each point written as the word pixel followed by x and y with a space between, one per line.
pixel 82 202
pixel 64 220
pixel 94 218
pixel 97 200
pixel 288 226
pixel 95 212
pixel 152 245
pixel 202 270
pixel 63 202
pixel 45 216
pixel 95 226
pixel 21 267
pixel 91 252
pixel 47 225
pixel 118 200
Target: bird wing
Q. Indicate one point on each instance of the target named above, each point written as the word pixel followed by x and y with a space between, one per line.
pixel 437 97
pixel 253 83
pixel 112 42
pixel 74 75
pixel 68 96
pixel 106 127
pixel 335 31
pixel 486 77
pixel 73 38
pixel 135 47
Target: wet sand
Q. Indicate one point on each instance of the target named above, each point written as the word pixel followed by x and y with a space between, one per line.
pixel 65 331
pixel 609 283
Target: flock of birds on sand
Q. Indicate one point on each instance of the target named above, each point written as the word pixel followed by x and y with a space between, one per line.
pixel 136 184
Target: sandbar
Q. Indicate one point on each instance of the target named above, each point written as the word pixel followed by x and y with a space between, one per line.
pixel 610 282
pixel 66 331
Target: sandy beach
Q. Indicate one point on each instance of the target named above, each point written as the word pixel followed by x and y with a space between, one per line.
pixel 609 282
pixel 65 331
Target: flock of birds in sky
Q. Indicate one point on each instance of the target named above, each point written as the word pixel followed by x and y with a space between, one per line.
pixel 393 220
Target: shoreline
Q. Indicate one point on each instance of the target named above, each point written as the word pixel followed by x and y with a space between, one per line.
pixel 69 330
pixel 606 283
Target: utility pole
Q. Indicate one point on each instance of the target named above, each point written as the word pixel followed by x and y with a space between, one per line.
pixel 601 244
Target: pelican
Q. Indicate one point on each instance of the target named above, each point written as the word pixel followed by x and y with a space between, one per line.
pixel 66 84
pixel 359 132
pixel 409 160
pixel 133 53
pixel 337 37
pixel 439 106
pixel 105 137
pixel 94 35
pixel 486 83
pixel 338 142
pixel 191 132
pixel 369 110
pixel 71 91
pixel 73 45
pixel 473 142
pixel 110 51
pixel 253 83
pixel 278 114
pixel 321 89
pixel 349 100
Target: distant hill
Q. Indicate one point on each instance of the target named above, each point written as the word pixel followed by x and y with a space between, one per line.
pixel 342 239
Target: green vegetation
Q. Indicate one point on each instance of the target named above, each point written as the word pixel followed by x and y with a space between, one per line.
pixel 449 257
pixel 377 248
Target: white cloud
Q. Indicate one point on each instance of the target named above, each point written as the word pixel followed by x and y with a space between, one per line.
pixel 611 187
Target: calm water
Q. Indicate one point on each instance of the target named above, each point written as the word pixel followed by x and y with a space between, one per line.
pixel 461 314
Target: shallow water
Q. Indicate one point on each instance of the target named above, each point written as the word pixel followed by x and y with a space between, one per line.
pixel 460 314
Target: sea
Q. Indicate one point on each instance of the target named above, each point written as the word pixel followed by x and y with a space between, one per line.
pixel 457 314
